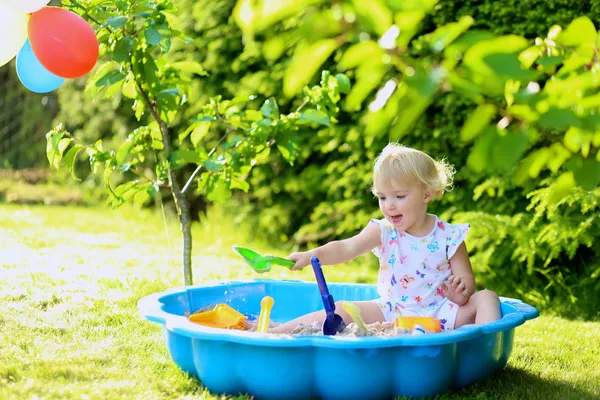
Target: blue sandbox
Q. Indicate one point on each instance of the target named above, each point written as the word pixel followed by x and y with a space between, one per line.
pixel 329 367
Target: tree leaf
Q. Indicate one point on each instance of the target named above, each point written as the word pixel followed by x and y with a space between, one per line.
pixel 153 36
pixel 113 199
pixel 139 108
pixel 477 57
pixel 129 88
pixel 456 50
pixel 141 197
pixel 359 53
pixel 273 48
pixel 550 62
pixel 218 190
pixel 586 171
pixel 181 157
pixel 102 71
pixel 52 139
pixel 199 133
pixel 123 188
pixel 578 140
pixel 110 79
pixel 123 49
pixel 270 109
pixel 559 119
pixel 528 56
pixel 479 157
pixel 192 67
pixel 494 151
pixel 288 143
pixel 117 22
pixel 365 83
pixel 508 149
pixel 271 12
pixel 584 55
pixel 559 155
pixel 113 89
pixel 344 84
pixel 446 34
pixel 124 150
pixel 561 187
pixel 261 156
pixel 170 92
pixel 508 66
pixel 477 121
pixel 205 118
pixel 508 44
pixel 579 31
pixel 238 183
pixel 306 62
pixel 532 165
pixel 421 89
pixel 70 157
pixel 144 67
pixel 375 13
pixel 60 148
pixel 315 116
pixel 214 165
pixel 409 22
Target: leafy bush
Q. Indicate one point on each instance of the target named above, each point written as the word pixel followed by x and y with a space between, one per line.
pixel 546 255
pixel 516 118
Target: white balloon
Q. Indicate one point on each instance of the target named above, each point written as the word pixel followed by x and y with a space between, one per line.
pixel 26 6
pixel 13 32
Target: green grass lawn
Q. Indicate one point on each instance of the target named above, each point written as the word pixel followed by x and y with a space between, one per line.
pixel 70 279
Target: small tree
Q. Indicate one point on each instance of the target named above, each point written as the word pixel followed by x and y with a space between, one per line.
pixel 144 59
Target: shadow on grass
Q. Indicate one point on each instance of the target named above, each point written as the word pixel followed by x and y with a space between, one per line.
pixel 509 383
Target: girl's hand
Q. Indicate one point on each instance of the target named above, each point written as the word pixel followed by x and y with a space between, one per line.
pixel 456 290
pixel 302 259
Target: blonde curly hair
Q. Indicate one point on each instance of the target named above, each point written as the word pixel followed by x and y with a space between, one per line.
pixel 400 163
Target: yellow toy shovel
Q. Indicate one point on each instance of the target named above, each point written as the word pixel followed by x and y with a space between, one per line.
pixel 266 304
pixel 354 312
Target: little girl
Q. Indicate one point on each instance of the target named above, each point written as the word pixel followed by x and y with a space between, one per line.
pixel 424 264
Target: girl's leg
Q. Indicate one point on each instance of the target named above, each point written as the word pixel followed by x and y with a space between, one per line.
pixel 482 307
pixel 369 310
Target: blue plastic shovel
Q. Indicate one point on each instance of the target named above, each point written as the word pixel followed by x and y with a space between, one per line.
pixel 333 323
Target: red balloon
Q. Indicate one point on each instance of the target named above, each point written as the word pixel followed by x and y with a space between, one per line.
pixel 63 42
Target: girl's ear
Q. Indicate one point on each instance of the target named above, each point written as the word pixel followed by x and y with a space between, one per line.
pixel 427 196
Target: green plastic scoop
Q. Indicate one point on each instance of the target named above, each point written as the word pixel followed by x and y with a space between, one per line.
pixel 260 263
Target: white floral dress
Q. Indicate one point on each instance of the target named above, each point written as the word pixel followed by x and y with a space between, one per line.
pixel 412 270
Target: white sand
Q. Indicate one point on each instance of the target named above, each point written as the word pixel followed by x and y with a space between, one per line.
pixel 316 329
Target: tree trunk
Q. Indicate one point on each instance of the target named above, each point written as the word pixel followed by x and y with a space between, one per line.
pixel 183 210
pixel 181 203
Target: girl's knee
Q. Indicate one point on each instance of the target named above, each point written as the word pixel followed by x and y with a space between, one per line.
pixel 486 295
pixel 487 304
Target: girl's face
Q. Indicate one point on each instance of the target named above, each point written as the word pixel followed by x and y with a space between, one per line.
pixel 403 204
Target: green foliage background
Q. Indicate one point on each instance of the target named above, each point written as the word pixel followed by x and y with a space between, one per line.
pixel 521 245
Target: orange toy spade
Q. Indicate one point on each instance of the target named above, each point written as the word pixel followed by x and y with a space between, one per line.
pixel 222 316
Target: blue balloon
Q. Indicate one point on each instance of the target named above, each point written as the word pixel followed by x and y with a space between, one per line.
pixel 32 73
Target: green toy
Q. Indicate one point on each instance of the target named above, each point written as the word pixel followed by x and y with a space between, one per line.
pixel 260 263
